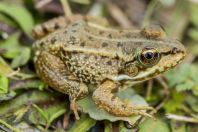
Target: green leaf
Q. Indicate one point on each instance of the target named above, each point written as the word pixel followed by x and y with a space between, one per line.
pixel 194 12
pixel 108 126
pixel 10 95
pixel 26 84
pixel 168 3
pixel 5 68
pixel 153 126
pixel 25 98
pixel 21 54
pixel 122 127
pixel 26 127
pixel 178 126
pixel 54 110
pixel 193 33
pixel 56 115
pixel 22 59
pixel 83 125
pixel 88 106
pixel 183 78
pixel 20 14
pixel 8 21
pixel 9 126
pixel 42 112
pixel 192 102
pixel 85 2
pixel 3 84
pixel 185 86
pixel 12 46
pixel 175 102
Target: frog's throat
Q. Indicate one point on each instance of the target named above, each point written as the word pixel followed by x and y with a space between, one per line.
pixel 164 64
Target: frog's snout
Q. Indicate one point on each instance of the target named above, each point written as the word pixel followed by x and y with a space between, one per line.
pixel 180 49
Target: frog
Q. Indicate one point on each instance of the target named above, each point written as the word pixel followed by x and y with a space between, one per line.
pixel 72 56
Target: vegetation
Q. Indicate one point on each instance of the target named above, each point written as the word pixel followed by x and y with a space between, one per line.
pixel 26 103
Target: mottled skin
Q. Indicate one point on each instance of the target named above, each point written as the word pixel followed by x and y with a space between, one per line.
pixel 79 54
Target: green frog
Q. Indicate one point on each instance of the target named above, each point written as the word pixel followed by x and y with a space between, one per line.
pixel 72 56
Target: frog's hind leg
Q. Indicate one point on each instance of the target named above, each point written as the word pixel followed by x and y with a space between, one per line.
pixel 53 71
pixel 50 26
pixel 104 98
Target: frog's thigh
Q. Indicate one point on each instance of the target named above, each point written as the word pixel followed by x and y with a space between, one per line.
pixel 50 26
pixel 104 98
pixel 53 71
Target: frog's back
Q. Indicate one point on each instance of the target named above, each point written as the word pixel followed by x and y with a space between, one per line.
pixel 89 58
pixel 79 37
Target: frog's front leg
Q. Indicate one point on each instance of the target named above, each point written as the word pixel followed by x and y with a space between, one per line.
pixel 53 71
pixel 104 98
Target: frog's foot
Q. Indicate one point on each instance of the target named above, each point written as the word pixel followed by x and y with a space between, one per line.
pixel 104 98
pixel 73 106
pixel 141 110
pixel 75 94
pixel 50 26
pixel 42 30
pixel 144 108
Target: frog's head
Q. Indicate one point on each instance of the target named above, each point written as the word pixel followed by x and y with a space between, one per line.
pixel 154 54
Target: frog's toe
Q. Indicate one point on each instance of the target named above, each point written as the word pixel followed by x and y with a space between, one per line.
pixel 143 113
pixel 144 108
pixel 73 107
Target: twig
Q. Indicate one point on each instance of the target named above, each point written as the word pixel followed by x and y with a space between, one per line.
pixel 13 73
pixel 163 84
pixel 118 15
pixel 162 103
pixel 149 12
pixel 66 120
pixel 66 8
pixel 181 118
pixel 149 89
pixel 42 3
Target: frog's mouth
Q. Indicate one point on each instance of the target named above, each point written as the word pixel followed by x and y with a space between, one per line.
pixel 168 61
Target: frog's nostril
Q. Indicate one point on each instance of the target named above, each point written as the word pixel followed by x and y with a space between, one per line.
pixel 174 50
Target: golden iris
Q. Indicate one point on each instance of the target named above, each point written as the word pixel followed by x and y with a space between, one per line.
pixel 149 57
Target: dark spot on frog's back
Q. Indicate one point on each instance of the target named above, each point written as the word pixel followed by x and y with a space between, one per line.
pixel 101 32
pixel 73 31
pixel 109 63
pixel 45 29
pixel 119 44
pixel 104 44
pixel 41 43
pixel 110 36
pixel 113 98
pixel 96 57
pixel 117 57
pixel 56 26
pixel 139 43
pixel 75 24
pixel 82 44
pixel 53 40
pixel 90 38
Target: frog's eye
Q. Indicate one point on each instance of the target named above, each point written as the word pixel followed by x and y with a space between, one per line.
pixel 149 57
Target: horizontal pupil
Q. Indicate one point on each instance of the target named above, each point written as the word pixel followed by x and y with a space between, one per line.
pixel 148 55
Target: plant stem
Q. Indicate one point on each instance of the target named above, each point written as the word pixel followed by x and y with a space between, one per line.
pixel 66 8
pixel 9 126
pixel 149 12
